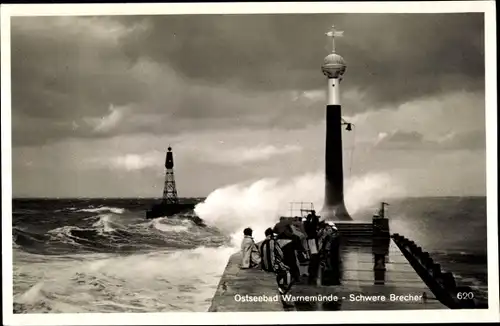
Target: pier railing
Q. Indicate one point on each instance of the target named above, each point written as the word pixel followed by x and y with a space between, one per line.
pixel 442 284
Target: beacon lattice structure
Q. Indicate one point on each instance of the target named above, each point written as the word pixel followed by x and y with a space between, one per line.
pixel 169 190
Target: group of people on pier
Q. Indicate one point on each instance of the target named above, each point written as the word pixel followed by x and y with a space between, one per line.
pixel 292 243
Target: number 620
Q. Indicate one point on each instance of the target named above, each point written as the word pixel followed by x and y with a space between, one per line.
pixel 465 295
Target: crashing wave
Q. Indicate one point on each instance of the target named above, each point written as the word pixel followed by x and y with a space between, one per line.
pixel 115 210
pixel 168 225
pixel 104 224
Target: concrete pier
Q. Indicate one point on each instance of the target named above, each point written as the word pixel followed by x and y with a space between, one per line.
pixel 366 286
pixel 368 273
pixel 254 282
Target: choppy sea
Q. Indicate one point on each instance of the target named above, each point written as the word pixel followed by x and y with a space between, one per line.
pixel 102 255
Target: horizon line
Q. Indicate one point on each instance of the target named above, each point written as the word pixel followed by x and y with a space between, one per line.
pixel 415 196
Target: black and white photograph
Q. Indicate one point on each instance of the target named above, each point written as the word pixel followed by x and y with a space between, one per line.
pixel 218 159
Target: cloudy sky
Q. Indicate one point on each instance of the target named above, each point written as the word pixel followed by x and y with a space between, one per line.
pixel 97 100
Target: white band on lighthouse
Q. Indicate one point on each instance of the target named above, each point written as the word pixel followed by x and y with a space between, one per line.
pixel 333 91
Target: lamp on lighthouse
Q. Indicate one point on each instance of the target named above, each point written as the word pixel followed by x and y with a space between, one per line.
pixel 348 125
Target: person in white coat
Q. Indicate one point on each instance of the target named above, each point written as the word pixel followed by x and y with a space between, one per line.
pixel 249 251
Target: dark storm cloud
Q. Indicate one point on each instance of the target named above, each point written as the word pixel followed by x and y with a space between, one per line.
pixel 393 57
pixel 65 68
pixel 176 73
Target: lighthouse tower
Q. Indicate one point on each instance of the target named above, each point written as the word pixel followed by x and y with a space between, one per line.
pixel 333 68
pixel 169 191
pixel 170 206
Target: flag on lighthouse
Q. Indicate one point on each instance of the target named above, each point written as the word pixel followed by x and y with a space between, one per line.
pixel 333 33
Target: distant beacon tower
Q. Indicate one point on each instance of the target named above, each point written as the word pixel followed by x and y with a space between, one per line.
pixel 170 191
pixel 334 67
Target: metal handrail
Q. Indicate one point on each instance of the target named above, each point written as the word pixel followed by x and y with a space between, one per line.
pixel 305 207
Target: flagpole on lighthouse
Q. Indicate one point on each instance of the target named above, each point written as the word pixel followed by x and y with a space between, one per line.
pixel 334 33
pixel 333 68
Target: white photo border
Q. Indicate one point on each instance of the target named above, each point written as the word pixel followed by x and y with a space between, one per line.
pixel 241 318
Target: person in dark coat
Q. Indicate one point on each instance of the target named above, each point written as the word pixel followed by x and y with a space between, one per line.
pixel 283 228
pixel 272 260
pixel 311 229
pixel 311 225
pixel 290 242
pixel 329 254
